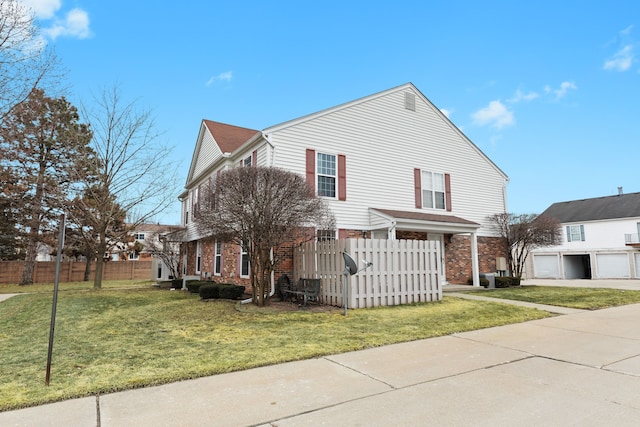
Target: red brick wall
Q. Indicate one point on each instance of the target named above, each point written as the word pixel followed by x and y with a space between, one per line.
pixel 458 256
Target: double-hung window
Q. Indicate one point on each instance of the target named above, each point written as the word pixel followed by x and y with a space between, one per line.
pixel 138 236
pixel 326 172
pixel 575 233
pixel 217 259
pixel 433 190
pixel 244 261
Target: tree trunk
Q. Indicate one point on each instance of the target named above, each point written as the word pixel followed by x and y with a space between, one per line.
pixel 102 248
pixel 29 261
pixel 87 269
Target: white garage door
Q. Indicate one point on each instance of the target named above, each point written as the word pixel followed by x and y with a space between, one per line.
pixel 546 266
pixel 613 266
pixel 637 257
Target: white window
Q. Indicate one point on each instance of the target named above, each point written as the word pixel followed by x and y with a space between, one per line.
pixel 244 262
pixel 198 257
pixel 575 233
pixel 325 235
pixel 138 236
pixel 217 259
pixel 247 161
pixel 433 190
pixel 326 175
pixel 134 255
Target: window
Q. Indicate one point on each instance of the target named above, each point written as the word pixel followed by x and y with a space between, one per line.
pixel 433 190
pixel 247 161
pixel 244 262
pixel 326 175
pixel 325 235
pixel 198 256
pixel 134 255
pixel 575 233
pixel 217 259
pixel 138 236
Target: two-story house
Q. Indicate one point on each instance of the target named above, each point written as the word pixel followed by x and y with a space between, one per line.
pixel 390 166
pixel 600 240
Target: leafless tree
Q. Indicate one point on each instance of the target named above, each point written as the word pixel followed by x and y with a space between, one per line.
pixel 261 209
pixel 524 232
pixel 166 248
pixel 25 60
pixel 133 171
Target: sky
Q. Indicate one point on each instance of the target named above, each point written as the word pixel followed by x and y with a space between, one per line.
pixel 548 90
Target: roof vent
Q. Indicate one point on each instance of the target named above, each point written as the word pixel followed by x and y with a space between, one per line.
pixel 619 191
pixel 410 101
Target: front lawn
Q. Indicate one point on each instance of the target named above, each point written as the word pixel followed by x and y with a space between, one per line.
pixel 582 298
pixel 119 339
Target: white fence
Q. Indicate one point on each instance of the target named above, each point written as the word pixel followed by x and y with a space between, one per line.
pixel 403 271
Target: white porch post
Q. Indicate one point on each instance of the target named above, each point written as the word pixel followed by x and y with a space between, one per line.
pixel 475 272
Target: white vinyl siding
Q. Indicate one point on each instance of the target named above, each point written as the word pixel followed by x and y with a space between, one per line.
pixel 575 233
pixel 383 143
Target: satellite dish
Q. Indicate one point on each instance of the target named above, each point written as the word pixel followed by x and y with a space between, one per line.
pixel 349 264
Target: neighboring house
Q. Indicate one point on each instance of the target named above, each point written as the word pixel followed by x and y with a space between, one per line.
pixel 144 242
pixel 390 165
pixel 600 240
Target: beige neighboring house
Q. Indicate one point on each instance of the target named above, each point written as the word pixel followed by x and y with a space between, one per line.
pixel 144 243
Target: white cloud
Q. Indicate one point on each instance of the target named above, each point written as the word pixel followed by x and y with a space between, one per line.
pixel 43 9
pixel 521 96
pixel 621 60
pixel 226 76
pixel 75 24
pixel 496 115
pixel 562 90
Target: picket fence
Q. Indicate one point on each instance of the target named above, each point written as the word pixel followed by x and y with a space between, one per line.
pixel 73 271
pixel 403 271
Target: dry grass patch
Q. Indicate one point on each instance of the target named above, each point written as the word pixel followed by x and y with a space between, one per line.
pixel 120 339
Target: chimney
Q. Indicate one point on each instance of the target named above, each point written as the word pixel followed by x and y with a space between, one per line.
pixel 619 191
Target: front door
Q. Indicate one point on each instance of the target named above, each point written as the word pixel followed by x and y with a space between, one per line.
pixel 441 266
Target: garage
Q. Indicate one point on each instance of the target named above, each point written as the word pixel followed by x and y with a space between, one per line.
pixel 546 266
pixel 577 266
pixel 612 266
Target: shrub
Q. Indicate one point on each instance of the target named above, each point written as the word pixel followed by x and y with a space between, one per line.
pixel 515 281
pixel 209 291
pixel 176 283
pixel 231 291
pixel 194 286
pixel 503 281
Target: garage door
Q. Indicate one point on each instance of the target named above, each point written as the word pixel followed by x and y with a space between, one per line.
pixel 546 266
pixel 613 266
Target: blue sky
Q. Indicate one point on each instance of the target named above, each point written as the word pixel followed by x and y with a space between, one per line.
pixel 549 90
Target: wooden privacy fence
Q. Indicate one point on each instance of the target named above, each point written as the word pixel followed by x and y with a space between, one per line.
pixel 403 271
pixel 73 271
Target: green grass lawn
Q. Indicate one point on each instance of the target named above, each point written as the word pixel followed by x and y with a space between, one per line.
pixel 582 298
pixel 115 339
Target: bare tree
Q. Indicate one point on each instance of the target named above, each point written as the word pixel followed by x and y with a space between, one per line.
pixel 261 209
pixel 165 247
pixel 525 232
pixel 25 60
pixel 133 171
pixel 45 146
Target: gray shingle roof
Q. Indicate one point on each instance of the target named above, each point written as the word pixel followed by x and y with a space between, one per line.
pixel 599 208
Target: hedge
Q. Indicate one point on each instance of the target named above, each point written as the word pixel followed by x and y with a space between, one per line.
pixel 221 290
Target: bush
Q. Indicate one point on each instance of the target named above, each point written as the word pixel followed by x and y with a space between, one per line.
pixel 176 283
pixel 515 281
pixel 503 281
pixel 220 290
pixel 194 286
pixel 209 291
pixel 231 291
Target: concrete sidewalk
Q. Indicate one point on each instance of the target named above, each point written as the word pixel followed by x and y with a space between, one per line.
pixel 577 369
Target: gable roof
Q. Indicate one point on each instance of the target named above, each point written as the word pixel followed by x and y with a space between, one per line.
pixel 228 137
pixel 599 208
pixel 402 87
